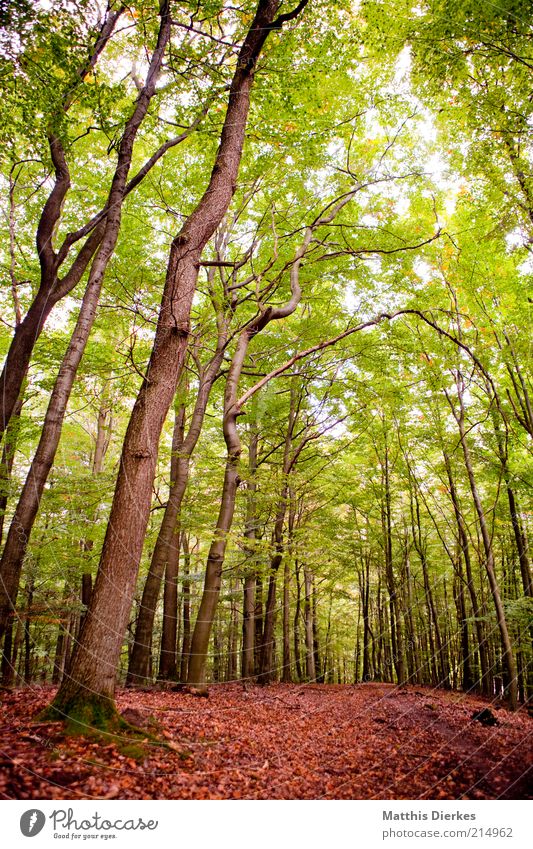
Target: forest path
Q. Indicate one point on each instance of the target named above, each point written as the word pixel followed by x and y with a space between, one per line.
pixel 370 741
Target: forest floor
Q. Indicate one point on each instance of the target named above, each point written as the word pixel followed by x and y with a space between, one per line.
pixel 371 741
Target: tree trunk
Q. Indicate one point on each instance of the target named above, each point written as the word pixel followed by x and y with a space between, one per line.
pixel 433 620
pixel 364 590
pixel 6 463
pixel 213 576
pixel 316 644
pixel 97 655
pixel 182 450
pixel 231 666
pixel 286 674
pixel 168 661
pixel 18 357
pixel 289 461
pixel 296 623
pixel 507 648
pixel 258 620
pixel 26 511
pixel 394 606
pixel 139 668
pixel 308 618
pixel 465 552
pixel 250 531
pixel 8 667
pixel 186 591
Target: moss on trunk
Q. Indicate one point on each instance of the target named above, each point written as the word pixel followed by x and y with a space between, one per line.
pixel 85 714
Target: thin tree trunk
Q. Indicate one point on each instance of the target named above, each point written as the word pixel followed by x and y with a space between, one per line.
pixel 316 644
pixel 250 532
pixel 139 668
pixel 286 675
pixel 394 606
pixel 186 591
pixel 308 618
pixel 465 552
pixel 26 511
pixel 518 531
pixel 168 660
pixel 215 560
pixel 433 619
pixel 296 622
pixel 8 667
pixel 364 592
pixel 27 633
pixel 507 648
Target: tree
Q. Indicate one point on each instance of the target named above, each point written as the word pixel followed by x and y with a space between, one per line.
pixel 122 549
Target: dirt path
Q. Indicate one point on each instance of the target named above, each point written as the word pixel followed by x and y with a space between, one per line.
pixel 280 742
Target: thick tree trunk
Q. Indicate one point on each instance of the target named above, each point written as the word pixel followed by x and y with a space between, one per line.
pixel 6 463
pixel 97 655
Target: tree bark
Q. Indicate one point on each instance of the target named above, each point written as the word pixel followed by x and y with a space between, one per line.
pixel 6 463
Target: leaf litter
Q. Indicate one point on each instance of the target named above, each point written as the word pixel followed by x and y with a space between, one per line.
pixel 370 741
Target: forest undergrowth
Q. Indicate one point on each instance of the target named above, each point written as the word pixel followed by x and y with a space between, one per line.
pixel 370 741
